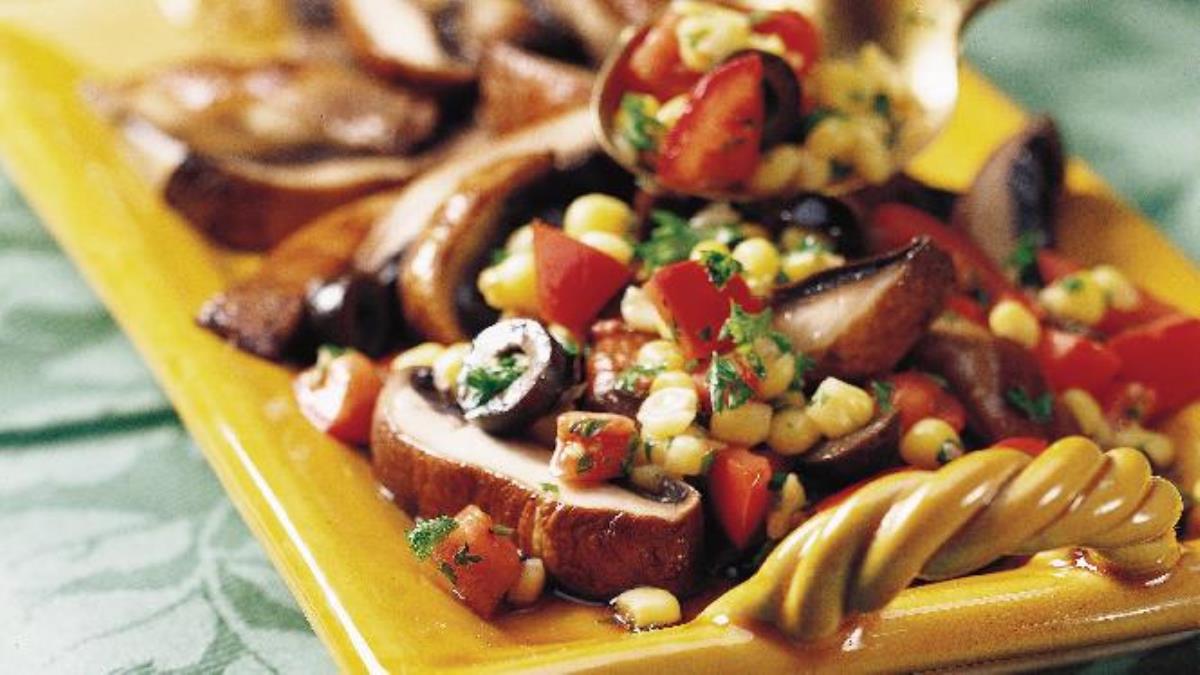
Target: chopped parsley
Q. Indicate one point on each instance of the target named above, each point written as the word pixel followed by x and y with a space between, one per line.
pixel 777 480
pixel 1023 259
pixel 448 570
pixel 629 379
pixel 584 464
pixel 811 120
pixel 499 255
pixel 1040 409
pixel 706 462
pixel 464 557
pixel 640 127
pixel 548 487
pixel 726 387
pixel 484 383
pixel 671 240
pixel 883 391
pixel 743 327
pixel 949 450
pixel 588 427
pixel 501 530
pixel 721 267
pixel 1072 284
pixel 882 105
pixel 804 364
pixel 425 537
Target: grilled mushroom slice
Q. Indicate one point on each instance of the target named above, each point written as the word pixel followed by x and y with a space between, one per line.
pixel 596 541
pixel 517 87
pixel 857 455
pixel 1010 207
pixel 861 319
pixel 398 39
pixel 596 23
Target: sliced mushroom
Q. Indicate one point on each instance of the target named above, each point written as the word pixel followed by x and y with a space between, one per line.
pixel 517 87
pixel 596 23
pixel 861 319
pixel 470 27
pixel 398 39
pixel 857 455
pixel 596 541
pixel 1014 198
pixel 265 314
pixel 828 217
pixel 989 375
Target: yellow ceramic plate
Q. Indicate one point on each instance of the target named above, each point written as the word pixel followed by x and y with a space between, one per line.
pixel 313 503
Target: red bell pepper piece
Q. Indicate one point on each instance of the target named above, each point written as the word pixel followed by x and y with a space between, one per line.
pixel 654 65
pixel 1053 266
pixel 1163 355
pixel 965 307
pixel 917 396
pixel 693 305
pixel 738 485
pixel 574 280
pixel 715 144
pixel 1072 361
pixel 338 394
pixel 1126 402
pixel 592 447
pixel 477 564
pixel 1030 445
pixel 800 37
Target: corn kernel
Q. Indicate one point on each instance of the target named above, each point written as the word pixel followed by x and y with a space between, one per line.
pixel 748 424
pixel 707 246
pixel 520 240
pixel 706 39
pixel 1121 294
pixel 640 314
pixel 777 170
pixel 670 112
pixel 609 244
pixel 792 432
pixel 842 85
pixel 530 584
pixel 668 412
pixel 511 285
pixel 780 372
pixel 832 138
pixel 685 456
pixel 447 366
pixel 655 450
pixel 870 156
pixel 715 214
pixel 597 212
pixel 813 172
pixel 1158 448
pixel 423 355
pixel 647 607
pixel 1011 320
pixel 759 258
pixel 930 443
pixel 800 265
pixel 786 512
pixel 878 68
pixel 672 379
pixel 838 408
pixel 1075 297
pixel 648 477
pixel 1088 415
pixel 661 354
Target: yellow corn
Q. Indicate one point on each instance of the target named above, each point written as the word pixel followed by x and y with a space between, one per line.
pixel 832 138
pixel 640 314
pixel 759 259
pixel 597 212
pixel 1157 447
pixel 661 354
pixel 672 379
pixel 520 240
pixel 670 112
pixel 1012 320
pixel 1075 297
pixel 647 607
pixel 930 443
pixel 707 38
pixel 780 372
pixel 530 584
pixel 423 355
pixel 511 285
pixel 786 511
pixel 685 456
pixel 1088 415
pixel 814 171
pixel 800 265
pixel 610 244
pixel 748 424
pixel 648 477
pixel 447 366
pixel 668 412
pixel 708 246
pixel 777 170
pixel 1118 290
pixel 792 432
pixel 838 408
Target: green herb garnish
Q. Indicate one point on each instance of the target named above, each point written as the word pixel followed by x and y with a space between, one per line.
pixel 1072 284
pixel 427 534
pixel 640 126
pixel 726 387
pixel 548 487
pixel 804 364
pixel 448 570
pixel 777 480
pixel 629 379
pixel 584 464
pixel 464 557
pixel 883 394
pixel 1040 409
pixel 706 462
pixel 501 530
pixel 484 383
pixel 588 427
pixel 882 105
pixel 671 240
pixel 499 255
pixel 721 267
pixel 1023 259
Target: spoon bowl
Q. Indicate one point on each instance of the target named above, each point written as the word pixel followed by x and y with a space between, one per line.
pixel 921 36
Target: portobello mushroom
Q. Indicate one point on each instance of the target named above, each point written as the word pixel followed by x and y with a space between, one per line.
pixel 861 319
pixel 857 455
pixel 998 381
pixel 266 314
pixel 397 39
pixel 595 541
pixel 595 22
pixel 1010 207
pixel 517 87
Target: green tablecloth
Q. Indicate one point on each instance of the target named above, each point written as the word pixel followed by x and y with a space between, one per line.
pixel 118 550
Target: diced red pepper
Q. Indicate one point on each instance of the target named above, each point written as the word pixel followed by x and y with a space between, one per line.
pixel 592 447
pixel 1163 355
pixel 478 565
pixel 965 307
pixel 1030 445
pixel 338 394
pixel 738 485
pixel 895 225
pixel 800 37
pixel 654 65
pixel 1071 361
pixel 1126 402
pixel 917 396
pixel 574 280
pixel 1053 266
pixel 715 144
pixel 693 305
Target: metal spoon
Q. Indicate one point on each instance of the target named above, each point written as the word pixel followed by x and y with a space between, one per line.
pixel 921 36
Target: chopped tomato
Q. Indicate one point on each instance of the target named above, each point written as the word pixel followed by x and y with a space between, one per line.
pixel 917 396
pixel 478 565
pixel 715 143
pixel 965 307
pixel 1030 445
pixel 895 225
pixel 338 394
pixel 800 37
pixel 654 65
pixel 592 447
pixel 738 483
pixel 1127 402
pixel 695 307
pixel 1053 266
pixel 574 280
pixel 1164 356
pixel 1072 361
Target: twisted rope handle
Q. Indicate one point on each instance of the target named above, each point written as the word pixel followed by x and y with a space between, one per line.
pixel 858 556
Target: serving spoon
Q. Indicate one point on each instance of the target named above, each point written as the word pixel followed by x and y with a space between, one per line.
pixel 921 36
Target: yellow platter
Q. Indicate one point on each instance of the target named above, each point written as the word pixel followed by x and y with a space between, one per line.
pixel 315 506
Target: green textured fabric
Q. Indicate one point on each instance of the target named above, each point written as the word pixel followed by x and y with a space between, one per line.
pixel 119 551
